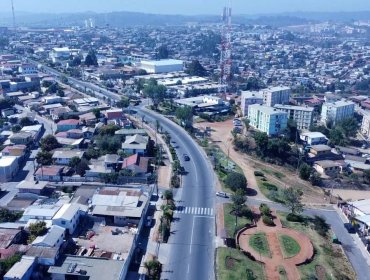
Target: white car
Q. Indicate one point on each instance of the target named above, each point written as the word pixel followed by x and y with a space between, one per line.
pixel 222 194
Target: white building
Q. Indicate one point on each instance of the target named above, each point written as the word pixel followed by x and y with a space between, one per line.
pixel 267 119
pixel 276 95
pixel 365 126
pixel 53 238
pixel 63 157
pixel 313 138
pixel 337 111
pixel 249 98
pixel 68 216
pixel 303 116
pixel 27 69
pixel 21 270
pixel 8 168
pixel 162 66
pixel 58 54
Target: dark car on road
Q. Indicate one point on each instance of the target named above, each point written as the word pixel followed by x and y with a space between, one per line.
pixel 185 157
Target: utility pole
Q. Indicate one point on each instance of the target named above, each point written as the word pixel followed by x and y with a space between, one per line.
pixel 14 25
pixel 226 49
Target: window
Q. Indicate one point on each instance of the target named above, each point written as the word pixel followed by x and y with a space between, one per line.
pixel 63 222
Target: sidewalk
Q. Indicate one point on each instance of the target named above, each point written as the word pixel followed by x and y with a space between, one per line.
pixel 360 245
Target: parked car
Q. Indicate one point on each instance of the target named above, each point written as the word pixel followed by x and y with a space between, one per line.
pixel 149 221
pixel 222 194
pixel 185 157
pixel 350 228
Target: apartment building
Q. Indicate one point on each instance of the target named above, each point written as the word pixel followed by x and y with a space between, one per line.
pixel 249 98
pixel 365 126
pixel 337 111
pixel 276 95
pixel 267 119
pixel 303 116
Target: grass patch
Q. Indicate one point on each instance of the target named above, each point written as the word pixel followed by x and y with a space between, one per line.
pixel 277 174
pixel 229 221
pixel 327 255
pixel 269 190
pixel 260 244
pixel 289 245
pixel 233 265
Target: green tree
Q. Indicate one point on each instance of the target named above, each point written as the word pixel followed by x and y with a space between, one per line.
pixel 6 103
pixel 315 179
pixel 262 140
pixel 157 93
pixel 153 269
pixel 49 143
pixel 25 122
pixel 9 216
pixel 239 199
pixel 293 200
pixel 38 228
pixel 81 167
pixel 247 123
pixel 44 158
pixel 236 181
pixel 91 59
pixel 74 162
pixel 185 115
pixel 162 52
pixel 123 103
pixel 349 127
pixel 6 264
pixel 337 137
pixel 196 69
pixel 76 61
pixel 366 175
pixel 305 171
pixel 16 128
pixel 168 195
pixel 96 112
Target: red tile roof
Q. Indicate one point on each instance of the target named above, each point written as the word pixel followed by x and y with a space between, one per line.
pixel 131 160
pixel 53 170
pixel 69 121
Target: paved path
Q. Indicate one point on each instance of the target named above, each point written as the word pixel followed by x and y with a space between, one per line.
pixel 277 258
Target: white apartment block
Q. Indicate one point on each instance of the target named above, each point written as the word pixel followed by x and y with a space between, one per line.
pixel 249 98
pixel 303 116
pixel 365 126
pixel 267 119
pixel 276 95
pixel 337 111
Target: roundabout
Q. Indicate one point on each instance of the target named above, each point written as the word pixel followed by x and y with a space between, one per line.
pixel 280 249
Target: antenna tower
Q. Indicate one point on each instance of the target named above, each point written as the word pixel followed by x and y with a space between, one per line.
pixel 226 49
pixel 14 27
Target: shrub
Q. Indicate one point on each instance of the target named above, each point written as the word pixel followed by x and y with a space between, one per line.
pixel 270 187
pixel 265 210
pixel 294 218
pixel 267 220
pixel 321 226
pixel 259 174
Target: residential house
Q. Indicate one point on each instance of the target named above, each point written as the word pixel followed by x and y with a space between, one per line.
pixel 111 161
pixel 8 168
pixel 40 212
pixel 52 173
pixel 328 167
pixel 58 113
pixel 320 150
pixel 119 206
pixel 131 132
pixel 46 256
pixel 14 151
pixel 74 134
pixel 22 138
pixel 36 130
pixel 136 144
pixel 137 164
pixel 53 238
pixel 65 125
pixel 88 119
pixel 69 215
pixel 38 188
pixel 21 270
pixel 114 114
pixel 313 138
pixel 63 157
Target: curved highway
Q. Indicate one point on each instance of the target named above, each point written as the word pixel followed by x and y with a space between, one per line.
pixel 191 244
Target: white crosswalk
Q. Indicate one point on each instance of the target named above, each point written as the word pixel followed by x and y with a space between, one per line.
pixel 194 211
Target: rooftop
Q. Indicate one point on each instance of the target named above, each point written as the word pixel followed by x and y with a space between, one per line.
pixel 7 161
pixel 50 238
pixel 91 268
pixel 68 154
pixel 68 211
pixel 20 268
pixel 163 62
pixel 69 122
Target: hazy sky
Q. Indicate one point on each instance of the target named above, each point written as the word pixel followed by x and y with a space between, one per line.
pixel 185 6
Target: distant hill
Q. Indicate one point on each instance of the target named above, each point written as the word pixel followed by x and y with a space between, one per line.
pixel 121 19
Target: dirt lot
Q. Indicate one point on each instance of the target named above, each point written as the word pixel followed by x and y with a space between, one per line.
pixel 221 136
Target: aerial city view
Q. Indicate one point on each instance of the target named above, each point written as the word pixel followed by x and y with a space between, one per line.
pixel 185 140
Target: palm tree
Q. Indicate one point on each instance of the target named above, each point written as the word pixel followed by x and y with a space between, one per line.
pixel 239 201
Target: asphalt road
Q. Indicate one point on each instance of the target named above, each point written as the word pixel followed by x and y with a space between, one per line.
pixel 191 242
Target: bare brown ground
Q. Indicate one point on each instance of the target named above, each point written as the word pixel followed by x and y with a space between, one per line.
pixel 277 259
pixel 221 136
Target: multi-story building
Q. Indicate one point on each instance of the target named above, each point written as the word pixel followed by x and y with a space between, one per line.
pixel 337 111
pixel 365 126
pixel 303 116
pixel 276 95
pixel 249 98
pixel 267 119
